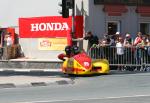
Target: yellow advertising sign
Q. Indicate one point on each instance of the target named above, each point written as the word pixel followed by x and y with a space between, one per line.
pixel 52 43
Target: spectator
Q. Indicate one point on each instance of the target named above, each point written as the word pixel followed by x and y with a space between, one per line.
pixel 104 42
pixel 112 40
pixel 147 40
pixel 120 51
pixel 116 38
pixel 92 39
pixel 138 39
pixel 138 51
pixel 129 53
pixel 8 40
pixel 7 44
pixel 107 38
pixel 144 48
pixel 119 46
pixel 128 41
pixel 148 50
pixel 105 49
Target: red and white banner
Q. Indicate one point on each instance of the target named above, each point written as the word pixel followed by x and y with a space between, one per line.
pixel 51 26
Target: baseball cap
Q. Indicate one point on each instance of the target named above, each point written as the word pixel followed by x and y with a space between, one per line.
pixel 117 33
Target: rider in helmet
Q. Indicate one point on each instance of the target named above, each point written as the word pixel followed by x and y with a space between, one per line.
pixel 67 53
pixel 75 50
pixel 68 50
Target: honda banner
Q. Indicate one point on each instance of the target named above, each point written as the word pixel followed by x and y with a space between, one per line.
pixel 49 27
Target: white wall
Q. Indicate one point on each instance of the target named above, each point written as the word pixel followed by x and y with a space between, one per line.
pixel 130 21
pixel 96 19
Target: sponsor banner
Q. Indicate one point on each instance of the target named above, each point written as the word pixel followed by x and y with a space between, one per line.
pixel 51 26
pixel 52 43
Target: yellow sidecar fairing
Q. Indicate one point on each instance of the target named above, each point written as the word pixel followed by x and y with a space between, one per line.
pixel 71 66
pixel 98 66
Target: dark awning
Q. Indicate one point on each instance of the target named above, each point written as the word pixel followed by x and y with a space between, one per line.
pixel 143 10
pixel 115 10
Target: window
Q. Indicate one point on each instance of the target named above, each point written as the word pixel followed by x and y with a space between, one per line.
pixel 145 28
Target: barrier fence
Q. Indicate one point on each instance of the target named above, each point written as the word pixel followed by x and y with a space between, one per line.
pixel 132 58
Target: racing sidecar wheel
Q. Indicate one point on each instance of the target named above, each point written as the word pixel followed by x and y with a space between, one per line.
pixel 71 75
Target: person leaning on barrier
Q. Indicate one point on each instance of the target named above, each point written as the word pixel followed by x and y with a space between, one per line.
pixel 128 41
pixel 144 49
pixel 104 43
pixel 119 46
pixel 148 49
pixel 138 39
pixel 103 50
pixel 92 39
pixel 117 35
pixel 120 52
pixel 129 50
pixel 138 52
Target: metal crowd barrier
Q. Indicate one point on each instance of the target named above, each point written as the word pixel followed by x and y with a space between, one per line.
pixel 133 58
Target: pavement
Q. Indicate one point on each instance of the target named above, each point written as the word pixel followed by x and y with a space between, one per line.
pixel 28 81
pixel 30 63
pixel 14 78
pixel 26 78
pixel 27 72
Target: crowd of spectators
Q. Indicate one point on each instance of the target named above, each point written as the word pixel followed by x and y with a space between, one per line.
pixel 127 40
pixel 124 48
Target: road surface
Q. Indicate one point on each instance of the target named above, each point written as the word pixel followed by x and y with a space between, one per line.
pixel 113 88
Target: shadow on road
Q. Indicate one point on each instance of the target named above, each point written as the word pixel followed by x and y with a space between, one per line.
pixel 31 73
pixel 60 74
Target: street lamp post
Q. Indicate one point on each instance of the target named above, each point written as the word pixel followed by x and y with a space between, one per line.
pixel 73 20
pixel 66 5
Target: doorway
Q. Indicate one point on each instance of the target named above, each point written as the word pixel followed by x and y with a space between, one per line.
pixel 113 27
pixel 145 28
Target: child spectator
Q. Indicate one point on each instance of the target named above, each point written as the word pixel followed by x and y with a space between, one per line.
pixel 120 51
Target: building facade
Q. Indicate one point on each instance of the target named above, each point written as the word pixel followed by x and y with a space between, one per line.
pixel 125 15
pixel 100 17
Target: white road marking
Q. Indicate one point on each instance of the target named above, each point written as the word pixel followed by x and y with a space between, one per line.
pixel 104 98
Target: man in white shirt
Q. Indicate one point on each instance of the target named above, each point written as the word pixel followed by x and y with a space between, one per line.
pixel 8 40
